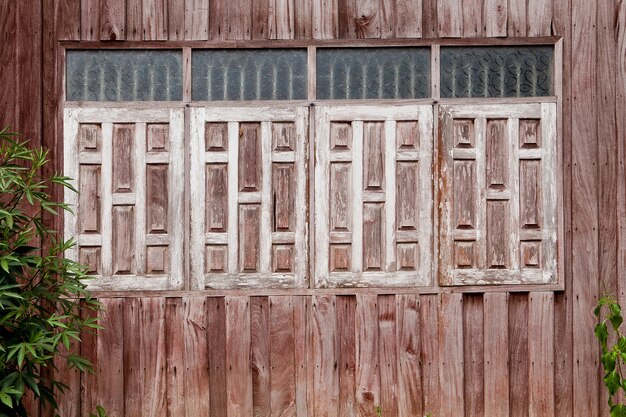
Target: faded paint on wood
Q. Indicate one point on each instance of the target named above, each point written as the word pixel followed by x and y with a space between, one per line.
pixel 451 380
pixel 474 367
pixel 496 354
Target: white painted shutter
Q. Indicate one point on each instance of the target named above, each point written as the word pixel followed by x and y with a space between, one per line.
pixel 373 195
pixel 248 197
pixel 128 167
pixel 498 194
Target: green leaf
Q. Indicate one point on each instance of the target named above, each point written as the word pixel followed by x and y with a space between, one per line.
pixel 6 400
pixel 618 410
pixel 602 334
pixel 612 382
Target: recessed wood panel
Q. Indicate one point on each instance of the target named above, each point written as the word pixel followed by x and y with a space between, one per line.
pixel 123 157
pixel 530 254
pixel 216 258
pixel 283 197
pixel 89 199
pixel 341 197
pixel 530 194
pixel 216 198
pixel 373 241
pixel 464 254
pixel 283 137
pixel 498 234
pixel 373 156
pixel 464 136
pixel 407 256
pixel 282 258
pixel 157 137
pixel 249 157
pixel 407 197
pixel 90 257
pixel 340 136
pixel 497 155
pixel 407 135
pixel 340 258
pixel 465 194
pixel 216 137
pixel 90 138
pixel 249 242
pixel 157 198
pixel 529 133
pixel 157 260
pixel 123 242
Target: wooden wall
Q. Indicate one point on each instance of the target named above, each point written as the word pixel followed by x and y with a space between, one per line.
pixel 449 354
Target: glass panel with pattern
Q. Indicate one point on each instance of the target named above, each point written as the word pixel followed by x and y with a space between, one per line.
pixel 373 73
pixel 249 74
pixel 497 71
pixel 128 75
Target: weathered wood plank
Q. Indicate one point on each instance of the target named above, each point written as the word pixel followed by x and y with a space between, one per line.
pixel 110 354
pixel 260 355
pixel 516 24
pixel 368 19
pixel 154 20
pixel 196 19
pixel 541 354
pixel 474 18
pixel 133 395
pixel 496 354
pixel 429 343
pixel 518 355
pixel 324 357
pixel 112 20
pixel 409 356
pixel 325 20
pixel 239 15
pixel 474 345
pixel 346 354
pixel 584 209
pixel 282 357
pixel 152 356
pixel 367 358
pixel 176 20
pixel 495 15
pixel 175 357
pixel 620 94
pixel 388 17
pixel 451 353
pixel 67 19
pixel 89 20
pixel 303 22
pixel 196 356
pixel 408 22
pixel 300 320
pixel 238 369
pixel 388 354
pixel 539 17
pixel 216 343
pixel 281 19
pixel 8 76
pixel 449 18
pixel 261 24
pixel 134 20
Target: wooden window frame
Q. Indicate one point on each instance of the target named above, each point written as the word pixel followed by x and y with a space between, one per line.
pixel 312 45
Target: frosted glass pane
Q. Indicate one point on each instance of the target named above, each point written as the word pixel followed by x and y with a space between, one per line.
pixel 130 75
pixel 249 74
pixel 510 71
pixel 373 73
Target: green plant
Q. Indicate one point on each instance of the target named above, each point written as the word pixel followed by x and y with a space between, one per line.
pixel 613 352
pixel 40 290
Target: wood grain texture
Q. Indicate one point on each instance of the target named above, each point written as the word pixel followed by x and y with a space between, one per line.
pixel 449 18
pixel 474 18
pixel 176 20
pixel 238 366
pixel 346 360
pixel 496 354
pixel 368 19
pixel 429 328
pixel 261 19
pixel 260 355
pixel 218 367
pixel 90 20
pixel 518 355
pixel 175 357
pixel 134 20
pixel 451 353
pixel 8 50
pixel 474 365
pixel 516 22
pixel 541 370
pixel 324 356
pixel 495 15
pixel 133 381
pixel 539 18
pixel 388 353
pixel 155 17
pixel 409 356
pixel 408 15
pixel 282 357
pixel 367 356
pixel 196 19
pixel 112 20
pixel 195 370
pixel 110 354
pixel 67 14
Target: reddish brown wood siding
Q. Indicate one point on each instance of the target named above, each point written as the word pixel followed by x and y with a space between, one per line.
pixel 231 356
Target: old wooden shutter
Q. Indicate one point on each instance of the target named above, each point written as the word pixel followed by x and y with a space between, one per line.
pixel 128 167
pixel 373 195
pixel 498 194
pixel 248 197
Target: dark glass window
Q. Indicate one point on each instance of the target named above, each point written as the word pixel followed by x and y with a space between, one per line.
pixel 129 75
pixel 249 74
pixel 497 71
pixel 373 73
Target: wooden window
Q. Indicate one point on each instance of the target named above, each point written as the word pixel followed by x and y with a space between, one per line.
pixel 248 197
pixel 128 167
pixel 373 195
pixel 498 194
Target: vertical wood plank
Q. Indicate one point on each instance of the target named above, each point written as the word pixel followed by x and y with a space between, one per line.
pixel 110 354
pixel 496 354
pixel 474 344
pixel 67 19
pixel 539 17
pixel 216 342
pixel 196 355
pixel 388 18
pixel 516 23
pixel 303 19
pixel 449 18
pixel 176 20
pixel 152 356
pixel 408 22
pixel 429 329
pixel 88 350
pixel 238 370
pixel 196 19
pixel 323 351
pixel 133 395
pixel 282 357
pixel 451 353
pixel 518 355
pixel 620 101
pixel 584 209
pixel 325 19
pixel 367 359
pixel 300 320
pixel 430 22
pixel 134 20
pixel 239 20
pixel 282 19
pixel 409 346
pixel 154 20
pixel 474 19
pixel 70 400
pixel 261 24
pixel 346 10
pixel 388 354
pixel 8 76
pixel 175 357
pixel 495 15
pixel 260 355
pixel 218 27
pixel 112 20
pixel 368 19
pixel 541 354
pixel 89 20
pixel 346 354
